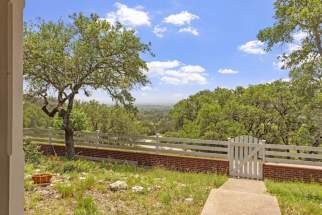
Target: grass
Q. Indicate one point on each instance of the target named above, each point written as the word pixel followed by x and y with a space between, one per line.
pixel 296 198
pixel 82 187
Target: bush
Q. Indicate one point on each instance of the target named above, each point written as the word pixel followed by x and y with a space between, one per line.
pixel 32 152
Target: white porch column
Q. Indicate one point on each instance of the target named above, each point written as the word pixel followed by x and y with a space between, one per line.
pixel 11 154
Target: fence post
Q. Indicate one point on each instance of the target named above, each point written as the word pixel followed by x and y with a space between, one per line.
pixel 50 139
pixel 50 135
pixel 158 142
pixel 97 138
pixel 263 150
pixel 229 155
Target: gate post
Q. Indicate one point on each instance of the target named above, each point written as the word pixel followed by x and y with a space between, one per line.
pixel 230 157
pixel 263 150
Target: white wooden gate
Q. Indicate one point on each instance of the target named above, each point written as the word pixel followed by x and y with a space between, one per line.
pixel 246 157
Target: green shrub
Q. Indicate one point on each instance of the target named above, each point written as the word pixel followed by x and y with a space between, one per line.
pixel 87 183
pixel 86 206
pixel 66 190
pixel 76 188
pixel 32 152
pixel 29 185
pixel 77 166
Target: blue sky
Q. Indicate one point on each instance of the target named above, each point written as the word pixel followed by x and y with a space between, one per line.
pixel 198 44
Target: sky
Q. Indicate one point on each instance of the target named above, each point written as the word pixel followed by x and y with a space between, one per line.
pixel 198 45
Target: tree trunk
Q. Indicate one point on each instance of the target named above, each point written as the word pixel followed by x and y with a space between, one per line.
pixel 69 143
pixel 69 130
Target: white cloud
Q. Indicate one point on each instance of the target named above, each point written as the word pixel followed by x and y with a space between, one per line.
pixel 171 80
pixel 190 30
pixel 300 36
pixel 193 69
pixel 278 64
pixel 146 88
pixel 131 17
pixel 158 67
pixel 158 30
pixel 179 19
pixel 273 80
pixel 253 47
pixel 227 71
pixel 176 73
pixel 297 41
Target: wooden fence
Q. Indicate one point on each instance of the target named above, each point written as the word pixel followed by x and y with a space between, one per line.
pixel 183 146
pixel 289 154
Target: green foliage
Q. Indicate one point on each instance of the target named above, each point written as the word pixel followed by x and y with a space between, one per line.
pixel 77 166
pixel 34 117
pixel 79 121
pixel 76 188
pixel 32 152
pixel 276 112
pixel 67 58
pixel 88 53
pixel 296 197
pixel 164 191
pixel 86 206
pixel 66 190
pixel 297 17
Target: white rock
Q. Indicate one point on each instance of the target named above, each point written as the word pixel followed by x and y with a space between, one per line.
pixel 44 192
pixel 28 177
pixel 154 187
pixel 118 185
pixel 182 185
pixel 137 189
pixel 189 200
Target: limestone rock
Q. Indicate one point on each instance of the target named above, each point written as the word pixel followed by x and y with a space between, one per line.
pixel 189 200
pixel 118 185
pixel 137 189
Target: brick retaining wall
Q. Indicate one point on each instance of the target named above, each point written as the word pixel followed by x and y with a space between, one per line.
pixel 180 163
pixel 290 172
pixel 277 172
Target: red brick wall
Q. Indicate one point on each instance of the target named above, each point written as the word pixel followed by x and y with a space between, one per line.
pixel 285 172
pixel 180 163
pixel 276 172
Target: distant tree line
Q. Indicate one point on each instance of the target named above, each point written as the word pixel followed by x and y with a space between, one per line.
pixel 93 116
pixel 280 112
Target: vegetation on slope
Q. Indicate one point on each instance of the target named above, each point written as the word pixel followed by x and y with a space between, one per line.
pixel 82 187
pixel 277 112
pixel 296 198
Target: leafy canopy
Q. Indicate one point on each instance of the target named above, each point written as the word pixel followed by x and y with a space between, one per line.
pixel 88 53
pixel 297 21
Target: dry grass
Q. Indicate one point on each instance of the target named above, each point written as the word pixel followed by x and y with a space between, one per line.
pixel 81 187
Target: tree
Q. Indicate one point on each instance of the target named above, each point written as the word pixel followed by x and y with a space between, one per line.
pixel 301 19
pixel 62 60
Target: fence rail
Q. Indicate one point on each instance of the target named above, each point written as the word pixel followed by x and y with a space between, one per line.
pixel 182 146
pixel 291 154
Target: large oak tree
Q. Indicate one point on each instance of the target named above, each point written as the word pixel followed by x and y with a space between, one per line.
pixel 298 21
pixel 88 53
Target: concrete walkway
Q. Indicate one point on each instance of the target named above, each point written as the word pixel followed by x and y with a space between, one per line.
pixel 241 197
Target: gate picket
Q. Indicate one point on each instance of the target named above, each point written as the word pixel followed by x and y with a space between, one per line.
pixel 246 157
